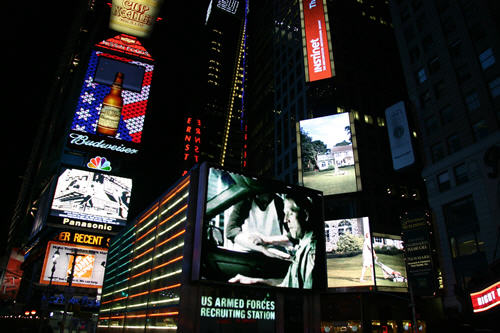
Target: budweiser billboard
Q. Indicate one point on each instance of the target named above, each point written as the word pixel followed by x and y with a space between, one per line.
pixel 316 40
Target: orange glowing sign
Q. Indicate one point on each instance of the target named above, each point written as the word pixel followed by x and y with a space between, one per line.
pixel 83 266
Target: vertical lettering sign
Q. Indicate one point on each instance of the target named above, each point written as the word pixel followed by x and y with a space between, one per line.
pixel 319 65
pixel 192 142
pixel 486 299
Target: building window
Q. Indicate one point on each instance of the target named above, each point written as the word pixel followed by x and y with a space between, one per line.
pixel 437 152
pixel 495 87
pixel 480 130
pixel 425 99
pixel 421 76
pixel 431 125
pixel 434 65
pixel 461 220
pixel 443 181
pixel 455 48
pixel 439 89
pixel 454 144
pixel 463 73
pixel 414 54
pixel 447 114
pixel 486 58
pixel 472 101
pixel 460 173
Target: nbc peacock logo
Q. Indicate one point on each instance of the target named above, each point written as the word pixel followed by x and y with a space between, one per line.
pixel 99 163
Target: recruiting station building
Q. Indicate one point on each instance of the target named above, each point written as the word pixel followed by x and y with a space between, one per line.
pixel 169 270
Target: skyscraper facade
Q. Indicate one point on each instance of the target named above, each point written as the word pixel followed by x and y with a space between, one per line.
pixel 449 51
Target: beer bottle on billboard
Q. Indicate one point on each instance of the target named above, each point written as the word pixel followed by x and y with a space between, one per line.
pixel 111 108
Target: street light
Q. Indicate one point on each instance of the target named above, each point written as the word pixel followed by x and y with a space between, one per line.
pixel 54 261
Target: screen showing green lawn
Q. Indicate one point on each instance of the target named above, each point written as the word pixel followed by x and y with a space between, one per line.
pixel 349 253
pixel 390 271
pixel 328 159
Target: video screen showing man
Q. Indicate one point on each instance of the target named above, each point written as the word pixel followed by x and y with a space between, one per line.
pixel 260 232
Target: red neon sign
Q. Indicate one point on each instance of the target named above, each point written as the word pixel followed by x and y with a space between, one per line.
pixel 318 54
pixel 486 299
pixel 192 141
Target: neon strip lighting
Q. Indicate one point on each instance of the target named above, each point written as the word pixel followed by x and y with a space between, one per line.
pixel 162 327
pixel 167 275
pixel 142 254
pixel 158 245
pixel 166 301
pixel 172 226
pixel 119 238
pixel 175 203
pixel 161 223
pixel 164 314
pixel 163 232
pixel 141 327
pixel 142 294
pixel 142 263
pixel 169 239
pixel 169 250
pixel 147 214
pixel 166 288
pixel 176 190
pixel 156 267
pixel 138 304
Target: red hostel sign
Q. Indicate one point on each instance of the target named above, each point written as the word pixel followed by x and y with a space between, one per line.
pixel 316 38
pixel 486 299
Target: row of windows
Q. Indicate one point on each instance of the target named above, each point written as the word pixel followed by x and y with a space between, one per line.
pixel 460 176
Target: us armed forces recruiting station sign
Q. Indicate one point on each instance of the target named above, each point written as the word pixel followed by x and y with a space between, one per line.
pixel 237 310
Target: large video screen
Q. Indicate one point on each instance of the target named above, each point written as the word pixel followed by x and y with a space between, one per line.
pixel 87 263
pixel 327 154
pixel 92 196
pixel 261 232
pixel 100 74
pixel 390 268
pixel 349 253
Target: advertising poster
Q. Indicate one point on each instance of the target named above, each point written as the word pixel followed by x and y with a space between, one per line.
pixel 415 226
pixel 13 274
pixel 89 264
pixel 328 160
pixel 91 196
pixel 237 310
pixel 399 136
pixel 127 121
pixel 390 270
pixel 261 233
pixel 319 64
pixel 349 253
pixel 134 17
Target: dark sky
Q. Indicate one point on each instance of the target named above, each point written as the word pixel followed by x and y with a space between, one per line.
pixel 33 37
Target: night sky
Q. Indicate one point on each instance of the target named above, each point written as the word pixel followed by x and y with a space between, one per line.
pixel 34 35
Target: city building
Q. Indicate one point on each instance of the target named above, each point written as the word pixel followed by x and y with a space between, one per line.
pixel 449 51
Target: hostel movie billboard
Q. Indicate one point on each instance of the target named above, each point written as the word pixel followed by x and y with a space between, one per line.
pixel 91 196
pixel 328 154
pixel 261 232
pixel 390 266
pixel 89 265
pixel 349 253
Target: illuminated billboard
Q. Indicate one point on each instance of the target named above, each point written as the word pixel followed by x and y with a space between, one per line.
pixel 328 160
pixel 134 17
pixel 86 262
pixel 126 120
pixel 390 267
pixel 349 253
pixel 399 136
pixel 486 299
pixel 318 59
pixel 261 232
pixel 91 196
